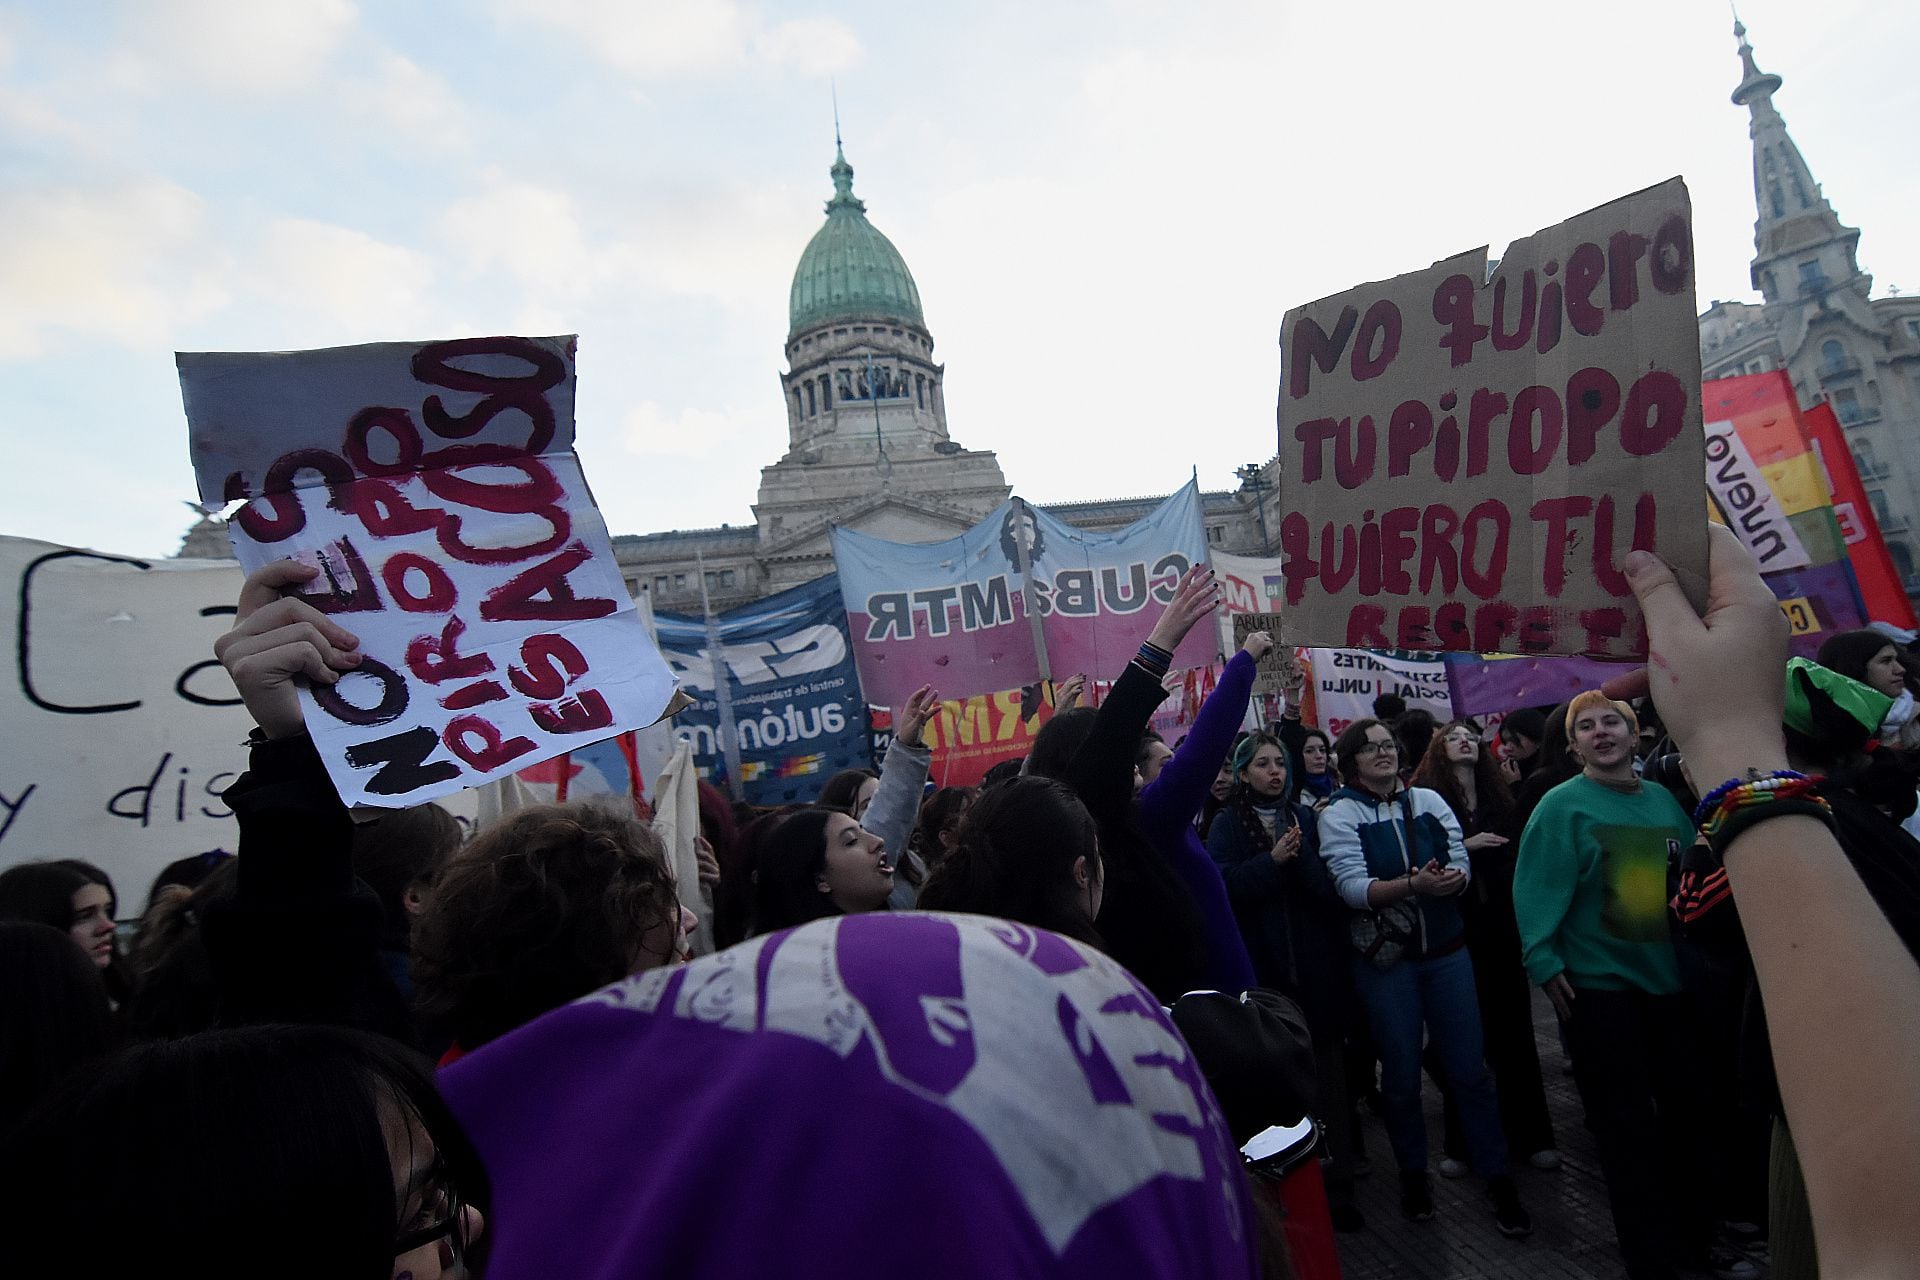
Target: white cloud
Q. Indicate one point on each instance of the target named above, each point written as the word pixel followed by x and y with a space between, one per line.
pixel 242 46
pixel 657 39
pixel 531 233
pixel 330 284
pixel 653 430
pixel 404 98
pixel 126 261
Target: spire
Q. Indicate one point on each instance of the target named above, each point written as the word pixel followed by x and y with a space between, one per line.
pixel 1754 83
pixel 842 172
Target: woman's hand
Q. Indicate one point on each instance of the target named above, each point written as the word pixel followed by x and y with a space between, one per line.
pixel 911 720
pixel 1510 770
pixel 1287 847
pixel 1715 680
pixel 1198 597
pixel 1066 695
pixel 276 641
pixel 709 863
pixel 1432 880
pixel 1485 840
pixel 1257 645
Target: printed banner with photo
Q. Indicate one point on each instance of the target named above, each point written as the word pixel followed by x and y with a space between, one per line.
pixel 796 703
pixel 1468 457
pixel 435 487
pixel 954 615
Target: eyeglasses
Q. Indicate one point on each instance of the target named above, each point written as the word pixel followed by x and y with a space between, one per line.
pixel 451 1227
pixel 1377 748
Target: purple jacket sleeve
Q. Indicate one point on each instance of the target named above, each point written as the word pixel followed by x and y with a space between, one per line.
pixel 1176 795
pixel 1169 803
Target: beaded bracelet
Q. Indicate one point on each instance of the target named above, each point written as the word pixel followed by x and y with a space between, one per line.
pixel 1733 807
pixel 1155 659
pixel 1754 781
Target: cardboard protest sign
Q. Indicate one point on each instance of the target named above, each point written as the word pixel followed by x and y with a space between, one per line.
pixel 1467 461
pixel 1271 672
pixel 435 487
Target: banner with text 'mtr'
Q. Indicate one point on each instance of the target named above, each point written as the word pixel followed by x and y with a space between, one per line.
pixel 435 487
pixel 953 614
pixel 1467 460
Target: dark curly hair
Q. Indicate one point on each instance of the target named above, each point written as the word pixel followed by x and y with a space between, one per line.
pixel 548 905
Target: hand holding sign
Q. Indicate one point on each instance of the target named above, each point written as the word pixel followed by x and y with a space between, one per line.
pixel 278 639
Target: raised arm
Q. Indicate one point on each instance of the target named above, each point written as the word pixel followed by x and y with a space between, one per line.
pixel 1842 994
pixel 1177 794
pixel 1102 769
pixel 896 801
pixel 300 940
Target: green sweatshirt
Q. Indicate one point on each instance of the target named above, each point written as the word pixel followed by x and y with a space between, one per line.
pixel 1590 887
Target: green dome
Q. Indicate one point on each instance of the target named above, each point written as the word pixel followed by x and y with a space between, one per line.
pixel 849 268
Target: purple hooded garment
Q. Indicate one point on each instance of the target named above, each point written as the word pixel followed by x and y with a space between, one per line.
pixel 903 1094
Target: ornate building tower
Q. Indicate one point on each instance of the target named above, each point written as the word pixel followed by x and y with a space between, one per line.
pixel 1819 321
pixel 866 406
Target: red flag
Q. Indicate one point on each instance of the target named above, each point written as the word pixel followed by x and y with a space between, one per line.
pixel 1880 586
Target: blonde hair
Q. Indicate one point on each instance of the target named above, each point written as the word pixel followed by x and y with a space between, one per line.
pixel 1593 700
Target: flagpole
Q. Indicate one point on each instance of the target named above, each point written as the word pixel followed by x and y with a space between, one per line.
pixel 722 684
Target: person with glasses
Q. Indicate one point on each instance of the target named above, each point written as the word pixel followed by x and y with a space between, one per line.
pixel 1458 766
pixel 1399 862
pixel 284 1150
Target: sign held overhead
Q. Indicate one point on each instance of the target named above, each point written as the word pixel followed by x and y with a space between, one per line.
pixel 1467 461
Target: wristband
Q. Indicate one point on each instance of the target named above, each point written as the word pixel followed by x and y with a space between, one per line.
pixel 1755 788
pixel 1738 822
pixel 1156 660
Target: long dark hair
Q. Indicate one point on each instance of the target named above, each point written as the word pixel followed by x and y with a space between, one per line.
pixel 1492 796
pixel 43 892
pixel 842 790
pixel 218 1150
pixel 175 991
pixel 786 889
pixel 1014 856
pixel 939 812
pixel 54 1013
pixel 733 899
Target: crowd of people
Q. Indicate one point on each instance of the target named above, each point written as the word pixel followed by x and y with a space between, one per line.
pixel 1024 1028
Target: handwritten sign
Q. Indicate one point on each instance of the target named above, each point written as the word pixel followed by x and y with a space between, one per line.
pixel 435 487
pixel 1269 673
pixel 1467 461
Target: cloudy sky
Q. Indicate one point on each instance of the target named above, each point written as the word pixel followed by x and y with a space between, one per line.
pixel 1108 206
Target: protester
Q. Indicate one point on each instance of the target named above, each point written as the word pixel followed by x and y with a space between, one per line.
pixel 1025 851
pixel 1152 756
pixel 54 1014
pixel 1389 707
pixel 850 790
pixel 75 898
pixel 181 877
pixel 1521 733
pixel 939 823
pixel 1842 991
pixel 1046 1119
pixel 894 805
pixel 816 863
pixel 1267 848
pixel 1218 793
pixel 176 991
pixel 308 1152
pixel 544 906
pixel 399 854
pixel 740 876
pixel 1872 659
pixel 1552 765
pixel 1590 896
pixel 1397 860
pixel 1459 769
pixel 1414 730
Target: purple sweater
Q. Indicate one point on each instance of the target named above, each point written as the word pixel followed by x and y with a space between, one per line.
pixel 1169 804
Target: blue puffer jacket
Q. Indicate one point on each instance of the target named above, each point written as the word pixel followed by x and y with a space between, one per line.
pixel 1364 838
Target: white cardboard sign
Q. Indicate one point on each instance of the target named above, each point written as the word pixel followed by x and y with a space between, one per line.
pixel 436 488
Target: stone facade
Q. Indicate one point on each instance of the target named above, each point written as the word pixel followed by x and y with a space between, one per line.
pixel 1819 321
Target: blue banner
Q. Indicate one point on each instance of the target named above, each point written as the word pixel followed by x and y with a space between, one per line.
pixel 796 700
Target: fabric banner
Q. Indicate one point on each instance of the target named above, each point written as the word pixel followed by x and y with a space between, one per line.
pixel 1467 456
pixel 1346 681
pixel 435 487
pixel 1483 684
pixel 1881 589
pixel 796 699
pixel 953 614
